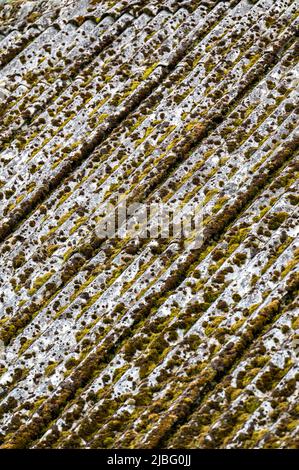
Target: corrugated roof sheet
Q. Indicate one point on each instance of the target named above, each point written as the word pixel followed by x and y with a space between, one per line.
pixel 126 341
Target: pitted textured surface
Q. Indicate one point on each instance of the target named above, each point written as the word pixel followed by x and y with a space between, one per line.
pixel 130 343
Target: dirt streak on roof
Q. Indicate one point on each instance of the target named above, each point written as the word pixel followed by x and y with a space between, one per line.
pixel 131 341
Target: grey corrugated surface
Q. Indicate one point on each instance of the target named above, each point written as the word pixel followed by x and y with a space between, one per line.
pixel 137 342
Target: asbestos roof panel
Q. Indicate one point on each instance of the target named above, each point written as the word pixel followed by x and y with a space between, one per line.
pixel 118 337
